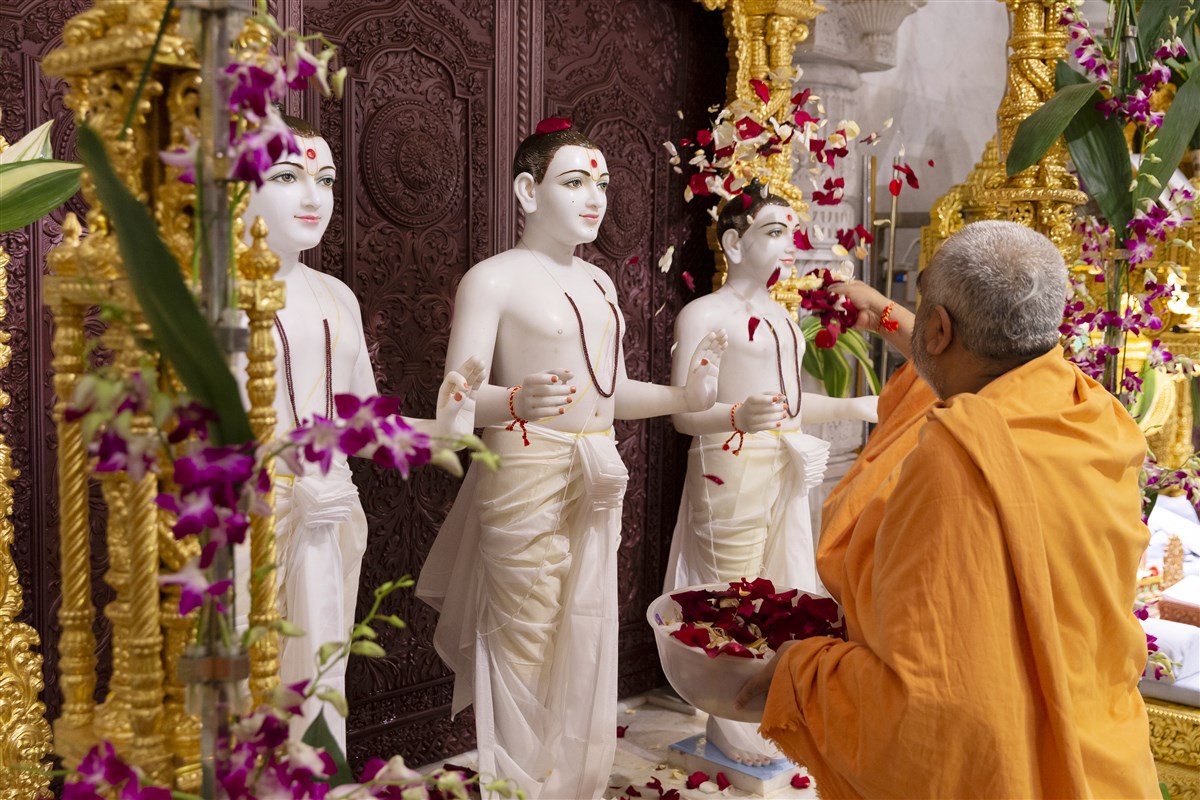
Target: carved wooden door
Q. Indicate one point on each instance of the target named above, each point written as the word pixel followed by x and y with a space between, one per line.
pixel 439 95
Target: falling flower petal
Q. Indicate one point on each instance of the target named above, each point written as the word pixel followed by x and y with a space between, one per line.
pixel 689 280
pixel 633 261
pixel 774 279
pixel 715 480
pixel 801 781
pixel 802 241
pixel 894 187
pixel 764 94
pixel 752 326
pixel 931 162
pixel 621 731
pixel 664 262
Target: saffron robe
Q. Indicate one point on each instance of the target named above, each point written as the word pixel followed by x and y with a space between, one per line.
pixel 524 573
pixel 756 522
pixel 987 590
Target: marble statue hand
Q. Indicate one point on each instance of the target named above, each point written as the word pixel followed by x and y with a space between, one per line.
pixel 865 408
pixel 700 391
pixel 544 394
pixel 456 399
pixel 760 412
pixel 870 303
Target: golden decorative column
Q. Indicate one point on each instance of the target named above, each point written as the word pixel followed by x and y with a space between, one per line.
pixel 261 296
pixel 1043 197
pixel 763 35
pixel 24 732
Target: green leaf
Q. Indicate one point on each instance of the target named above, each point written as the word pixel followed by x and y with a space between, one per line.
pixel 29 190
pixel 335 699
pixel 853 343
pixel 1179 124
pixel 1100 155
pixel 319 735
pixel 1038 132
pixel 1153 22
pixel 33 145
pixel 367 649
pixel 169 307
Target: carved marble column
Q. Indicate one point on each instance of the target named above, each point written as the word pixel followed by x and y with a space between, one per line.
pixel 850 38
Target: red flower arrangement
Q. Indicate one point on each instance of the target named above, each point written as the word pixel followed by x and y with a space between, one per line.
pixel 751 619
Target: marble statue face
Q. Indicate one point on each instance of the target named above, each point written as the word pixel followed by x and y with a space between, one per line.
pixel 768 244
pixel 296 198
pixel 572 198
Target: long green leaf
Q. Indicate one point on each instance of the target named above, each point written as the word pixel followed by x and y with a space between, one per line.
pixel 1153 21
pixel 29 190
pixel 35 144
pixel 318 735
pixel 1038 132
pixel 1100 155
pixel 182 333
pixel 1179 124
pixel 854 344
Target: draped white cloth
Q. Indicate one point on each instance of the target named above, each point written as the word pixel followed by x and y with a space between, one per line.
pixel 524 574
pixel 753 520
pixel 322 536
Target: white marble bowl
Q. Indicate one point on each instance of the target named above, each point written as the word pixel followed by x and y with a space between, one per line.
pixel 710 684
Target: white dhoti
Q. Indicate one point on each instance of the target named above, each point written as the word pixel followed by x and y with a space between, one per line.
pixel 747 516
pixel 524 574
pixel 321 536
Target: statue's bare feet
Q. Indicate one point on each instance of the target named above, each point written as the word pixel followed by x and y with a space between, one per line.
pixel 740 742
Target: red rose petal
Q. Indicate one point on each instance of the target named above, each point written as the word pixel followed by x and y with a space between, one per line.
pixel 621 731
pixel 704 138
pixel 552 125
pixel 774 279
pixel 689 280
pixel 632 792
pixel 894 187
pixel 722 781
pixel 671 794
pixel 800 238
pixel 633 260
pixel 656 785
pixel 931 162
pixel 748 128
pixel 761 90
pixel 715 480
pixel 695 779
pixel 801 98
pixel 752 326
pixel 698 183
pixel 800 781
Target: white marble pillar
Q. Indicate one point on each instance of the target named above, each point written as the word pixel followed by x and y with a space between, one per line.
pixel 852 37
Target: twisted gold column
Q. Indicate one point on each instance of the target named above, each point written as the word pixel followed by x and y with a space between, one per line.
pixel 76 614
pixel 261 297
pixel 24 732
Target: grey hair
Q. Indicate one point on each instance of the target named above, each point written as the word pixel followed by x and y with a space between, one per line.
pixel 1004 285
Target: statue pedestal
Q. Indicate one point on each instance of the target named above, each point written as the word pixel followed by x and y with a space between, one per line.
pixel 694 753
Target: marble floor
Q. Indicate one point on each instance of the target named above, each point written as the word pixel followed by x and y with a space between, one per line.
pixel 642 754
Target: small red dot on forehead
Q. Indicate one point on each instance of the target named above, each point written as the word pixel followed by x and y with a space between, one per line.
pixel 310 153
pixel 594 162
pixel 789 217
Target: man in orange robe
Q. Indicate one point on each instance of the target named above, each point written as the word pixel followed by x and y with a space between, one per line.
pixel 984 554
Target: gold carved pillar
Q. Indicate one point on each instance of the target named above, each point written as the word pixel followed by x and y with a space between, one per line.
pixel 1043 197
pixel 261 296
pixel 763 35
pixel 24 732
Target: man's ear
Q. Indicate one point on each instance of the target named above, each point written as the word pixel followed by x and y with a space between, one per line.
pixel 939 331
pixel 525 188
pixel 731 244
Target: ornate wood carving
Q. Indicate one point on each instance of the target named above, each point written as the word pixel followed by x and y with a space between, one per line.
pixel 440 92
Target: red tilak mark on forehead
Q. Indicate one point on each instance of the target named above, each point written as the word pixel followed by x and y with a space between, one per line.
pixel 594 164
pixel 789 217
pixel 310 153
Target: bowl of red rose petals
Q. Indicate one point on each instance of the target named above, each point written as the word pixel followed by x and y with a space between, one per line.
pixel 713 638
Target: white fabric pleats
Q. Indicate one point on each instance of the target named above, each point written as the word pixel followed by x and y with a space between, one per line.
pixel 524 574
pixel 747 516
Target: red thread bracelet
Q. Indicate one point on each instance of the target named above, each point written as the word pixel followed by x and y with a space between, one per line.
pixel 738 432
pixel 512 394
pixel 885 321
